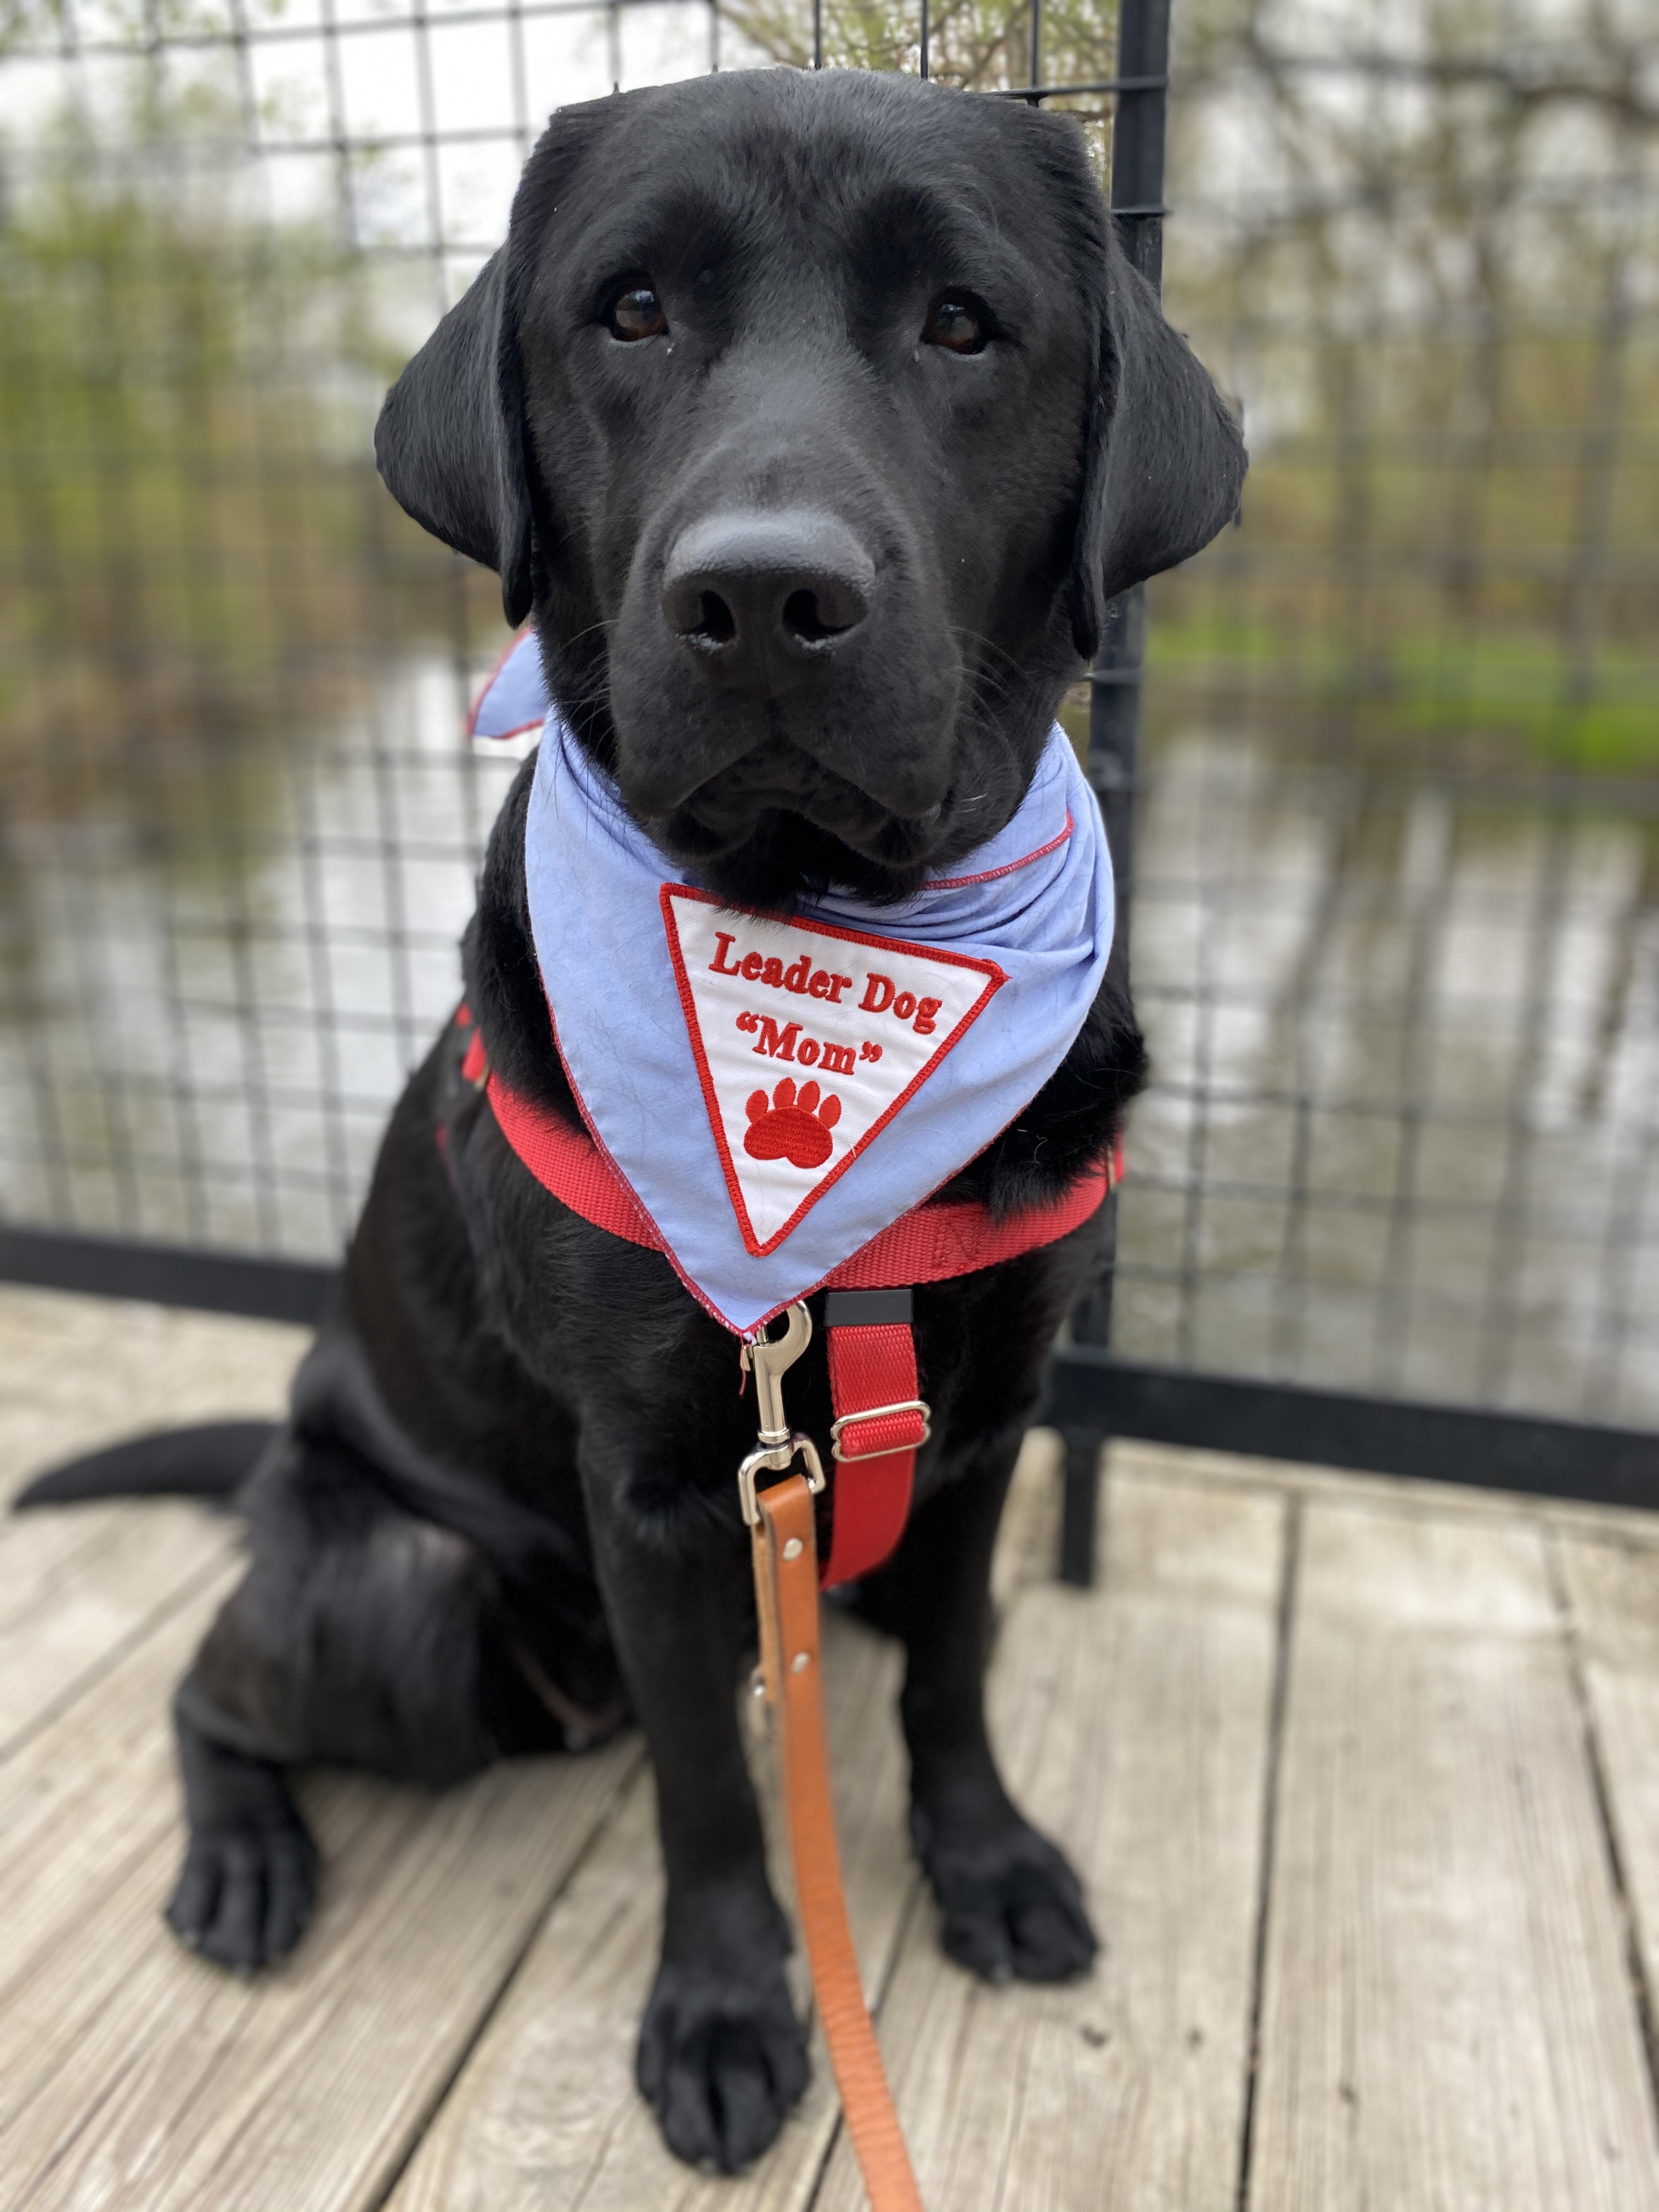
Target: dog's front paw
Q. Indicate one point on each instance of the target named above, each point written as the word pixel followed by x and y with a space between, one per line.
pixel 722 2060
pixel 245 1892
pixel 1012 1906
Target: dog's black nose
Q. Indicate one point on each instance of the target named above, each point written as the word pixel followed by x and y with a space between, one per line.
pixel 765 596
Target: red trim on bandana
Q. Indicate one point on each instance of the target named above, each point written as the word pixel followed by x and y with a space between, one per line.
pixel 501 736
pixel 1008 868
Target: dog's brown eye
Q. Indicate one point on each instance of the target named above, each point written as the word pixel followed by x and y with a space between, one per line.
pixel 956 321
pixel 637 313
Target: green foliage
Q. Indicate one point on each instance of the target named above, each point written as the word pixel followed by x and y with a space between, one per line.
pixel 190 521
pixel 977 45
pixel 1433 291
pixel 1431 689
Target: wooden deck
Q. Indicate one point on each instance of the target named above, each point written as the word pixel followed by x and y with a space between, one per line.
pixel 1363 1781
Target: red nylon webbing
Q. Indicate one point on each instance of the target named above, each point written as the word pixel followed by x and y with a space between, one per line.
pixel 871 1367
pixel 566 1162
pixel 930 1244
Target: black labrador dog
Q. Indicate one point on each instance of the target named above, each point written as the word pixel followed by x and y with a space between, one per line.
pixel 870 349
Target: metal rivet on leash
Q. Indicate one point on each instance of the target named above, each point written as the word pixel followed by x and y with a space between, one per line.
pixel 791 1550
pixel 801 1662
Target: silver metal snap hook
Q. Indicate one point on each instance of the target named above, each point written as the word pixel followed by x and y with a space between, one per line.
pixel 768 1360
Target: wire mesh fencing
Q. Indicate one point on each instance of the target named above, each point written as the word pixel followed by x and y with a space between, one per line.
pixel 1397 917
pixel 1396 881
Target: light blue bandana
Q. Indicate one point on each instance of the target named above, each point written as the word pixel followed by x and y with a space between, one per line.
pixel 776 1092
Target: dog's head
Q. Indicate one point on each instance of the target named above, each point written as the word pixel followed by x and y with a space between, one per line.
pixel 818 418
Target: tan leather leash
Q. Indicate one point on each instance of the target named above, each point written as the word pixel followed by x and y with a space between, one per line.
pixel 783 1529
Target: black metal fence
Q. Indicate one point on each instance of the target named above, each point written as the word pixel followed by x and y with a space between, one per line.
pixel 1396 804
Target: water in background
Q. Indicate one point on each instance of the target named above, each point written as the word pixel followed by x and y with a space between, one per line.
pixel 1406 1030
pixel 212 989
pixel 1406 1033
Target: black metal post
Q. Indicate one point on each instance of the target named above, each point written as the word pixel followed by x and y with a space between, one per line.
pixel 1136 191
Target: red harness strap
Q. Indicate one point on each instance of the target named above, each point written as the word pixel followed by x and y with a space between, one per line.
pixel 880 1424
pixel 880 1420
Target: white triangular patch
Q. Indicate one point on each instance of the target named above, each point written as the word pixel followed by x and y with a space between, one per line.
pixel 809 1039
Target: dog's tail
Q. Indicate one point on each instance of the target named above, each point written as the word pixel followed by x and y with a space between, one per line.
pixel 209 1461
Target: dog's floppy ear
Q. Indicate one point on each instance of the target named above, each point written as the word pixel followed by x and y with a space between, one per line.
pixel 1165 461
pixel 450 440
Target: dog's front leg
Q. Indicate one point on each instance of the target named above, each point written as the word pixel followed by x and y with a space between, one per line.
pixel 1012 1904
pixel 721 2055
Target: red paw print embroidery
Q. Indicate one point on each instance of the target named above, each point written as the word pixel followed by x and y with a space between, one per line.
pixel 792 1125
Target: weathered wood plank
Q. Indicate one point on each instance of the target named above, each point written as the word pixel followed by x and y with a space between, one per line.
pixel 76 1373
pixel 1028 1543
pixel 88 1831
pixel 1614 1593
pixel 1447 2017
pixel 546 2115
pixel 79 1587
pixel 1135 1720
pixel 133 2073
pixel 80 1584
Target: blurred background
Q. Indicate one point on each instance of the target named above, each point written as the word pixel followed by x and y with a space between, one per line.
pixel 1396 882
